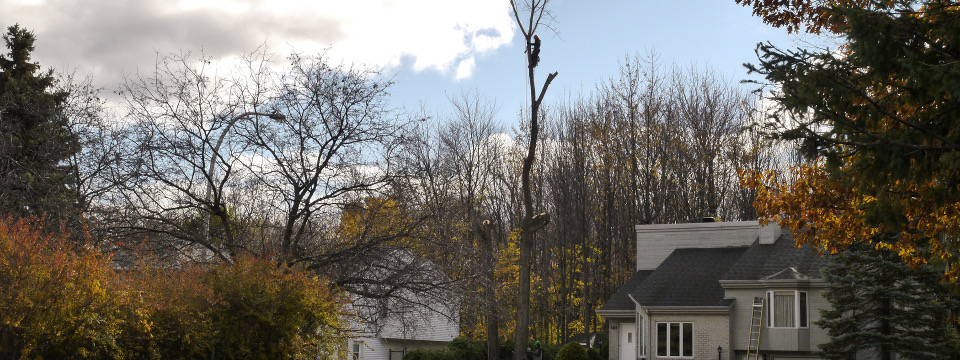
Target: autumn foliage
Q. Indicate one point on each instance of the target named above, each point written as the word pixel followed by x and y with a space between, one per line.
pixel 811 16
pixel 59 300
pixel 834 213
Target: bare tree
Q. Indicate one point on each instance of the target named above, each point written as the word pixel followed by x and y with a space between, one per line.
pixel 529 15
pixel 468 143
pixel 94 169
pixel 180 170
pixel 324 155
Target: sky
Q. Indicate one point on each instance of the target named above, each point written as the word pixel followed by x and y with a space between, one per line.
pixel 432 49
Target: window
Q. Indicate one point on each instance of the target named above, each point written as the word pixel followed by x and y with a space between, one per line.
pixel 641 340
pixel 356 351
pixel 787 309
pixel 675 339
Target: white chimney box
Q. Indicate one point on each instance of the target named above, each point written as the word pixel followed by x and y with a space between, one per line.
pixel 769 233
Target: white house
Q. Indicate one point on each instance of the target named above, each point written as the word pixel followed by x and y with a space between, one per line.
pixel 386 328
pixel 693 295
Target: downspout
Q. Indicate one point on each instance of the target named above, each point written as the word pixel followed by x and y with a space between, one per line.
pixel 639 322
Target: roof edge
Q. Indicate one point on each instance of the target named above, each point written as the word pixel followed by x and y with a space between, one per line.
pixel 689 309
pixel 761 284
pixel 697 226
pixel 616 313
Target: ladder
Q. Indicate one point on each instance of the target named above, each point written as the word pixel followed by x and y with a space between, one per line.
pixel 756 322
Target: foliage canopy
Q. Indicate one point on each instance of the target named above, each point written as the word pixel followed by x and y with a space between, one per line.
pixel 882 119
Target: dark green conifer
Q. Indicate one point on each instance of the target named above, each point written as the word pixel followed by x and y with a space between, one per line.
pixel 884 309
pixel 35 138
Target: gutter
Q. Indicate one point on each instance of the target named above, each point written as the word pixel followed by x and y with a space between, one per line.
pixel 639 322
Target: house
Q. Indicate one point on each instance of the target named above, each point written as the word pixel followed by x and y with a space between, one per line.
pixel 693 294
pixel 400 331
pixel 423 316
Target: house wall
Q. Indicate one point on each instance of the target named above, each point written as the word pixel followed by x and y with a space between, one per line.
pixel 803 341
pixel 709 331
pixel 613 335
pixel 370 349
pixel 422 324
pixel 656 242
pixel 373 348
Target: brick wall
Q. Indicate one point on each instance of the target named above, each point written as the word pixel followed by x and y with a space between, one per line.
pixel 709 331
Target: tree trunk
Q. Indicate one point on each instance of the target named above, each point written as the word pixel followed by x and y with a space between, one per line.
pixel 489 290
pixel 530 223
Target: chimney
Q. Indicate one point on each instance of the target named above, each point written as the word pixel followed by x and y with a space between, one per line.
pixel 769 233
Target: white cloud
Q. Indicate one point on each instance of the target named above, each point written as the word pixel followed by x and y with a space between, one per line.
pixel 466 68
pixel 110 37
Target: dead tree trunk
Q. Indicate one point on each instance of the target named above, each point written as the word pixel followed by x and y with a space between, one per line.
pixel 530 223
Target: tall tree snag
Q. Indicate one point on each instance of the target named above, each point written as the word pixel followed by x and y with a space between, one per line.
pixel 536 10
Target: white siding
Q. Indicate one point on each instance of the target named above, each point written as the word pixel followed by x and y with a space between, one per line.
pixel 370 349
pixel 422 324
pixel 656 242
pixel 802 339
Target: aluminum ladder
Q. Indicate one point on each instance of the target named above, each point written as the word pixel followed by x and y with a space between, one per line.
pixel 756 322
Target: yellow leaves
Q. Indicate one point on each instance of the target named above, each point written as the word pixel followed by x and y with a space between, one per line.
pixel 830 216
pixel 62 301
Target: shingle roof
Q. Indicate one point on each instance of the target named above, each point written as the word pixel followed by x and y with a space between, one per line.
pixel 781 260
pixel 689 277
pixel 619 300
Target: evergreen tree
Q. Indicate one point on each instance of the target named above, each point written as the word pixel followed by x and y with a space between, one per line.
pixel 34 135
pixel 880 114
pixel 883 307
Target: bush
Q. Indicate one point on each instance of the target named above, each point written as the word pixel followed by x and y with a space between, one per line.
pixel 593 354
pixel 423 354
pixel 506 349
pixel 60 300
pixel 572 351
pixel 467 349
pixel 549 350
pixel 57 300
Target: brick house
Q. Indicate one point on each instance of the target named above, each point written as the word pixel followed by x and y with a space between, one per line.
pixel 693 293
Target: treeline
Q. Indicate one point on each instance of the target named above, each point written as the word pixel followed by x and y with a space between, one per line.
pixel 307 165
pixel 651 145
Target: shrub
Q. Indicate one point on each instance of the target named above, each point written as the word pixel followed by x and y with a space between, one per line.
pixel 60 300
pixel 467 349
pixel 269 312
pixel 423 354
pixel 572 351
pixel 593 354
pixel 57 300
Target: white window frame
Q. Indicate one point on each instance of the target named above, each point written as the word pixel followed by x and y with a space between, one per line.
pixel 641 340
pixel 693 345
pixel 771 298
pixel 356 351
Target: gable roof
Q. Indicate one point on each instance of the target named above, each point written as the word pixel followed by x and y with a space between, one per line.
pixel 782 260
pixel 688 277
pixel 619 300
pixel 691 277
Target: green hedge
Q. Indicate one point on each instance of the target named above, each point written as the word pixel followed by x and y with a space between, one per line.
pixel 572 351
